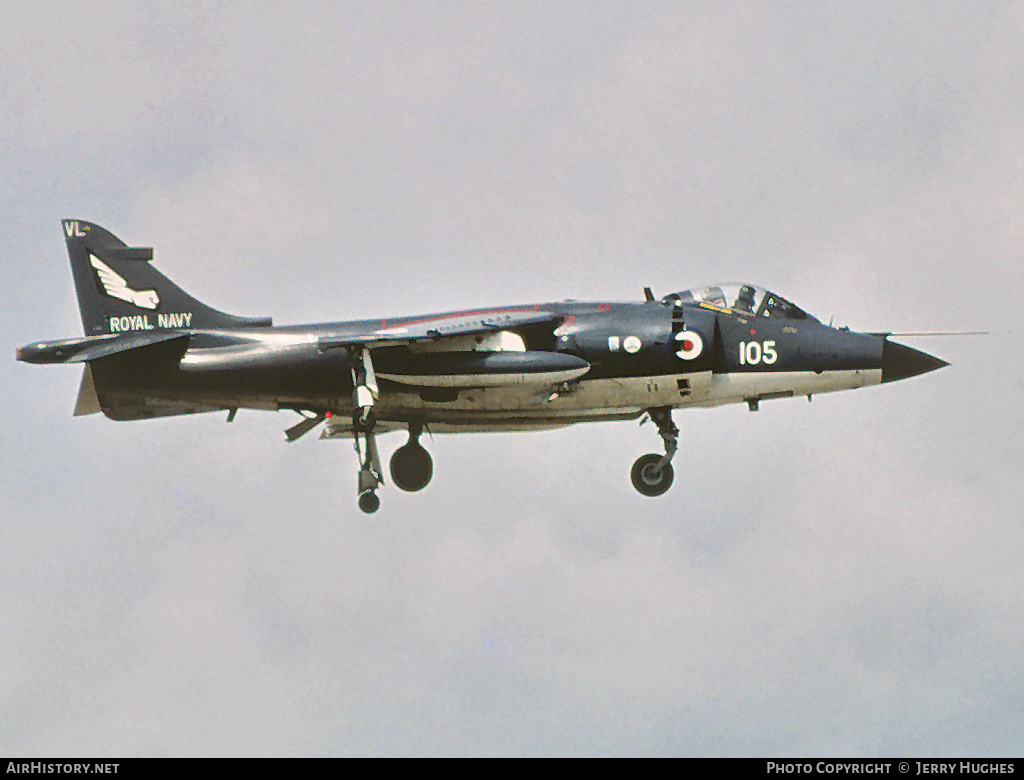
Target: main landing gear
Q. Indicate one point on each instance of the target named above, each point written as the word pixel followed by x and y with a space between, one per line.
pixel 363 420
pixel 652 474
pixel 411 465
pixel 369 473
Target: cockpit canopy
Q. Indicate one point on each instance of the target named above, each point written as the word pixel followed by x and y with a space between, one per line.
pixel 744 299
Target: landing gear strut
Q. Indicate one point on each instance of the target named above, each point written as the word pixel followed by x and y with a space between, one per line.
pixel 369 472
pixel 652 474
pixel 363 420
pixel 411 465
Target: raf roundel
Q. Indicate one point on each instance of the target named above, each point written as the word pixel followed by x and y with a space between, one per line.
pixel 690 345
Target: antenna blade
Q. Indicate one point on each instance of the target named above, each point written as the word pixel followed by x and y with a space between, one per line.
pixel 944 333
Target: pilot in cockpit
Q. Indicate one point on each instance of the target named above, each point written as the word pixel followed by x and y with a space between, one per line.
pixel 745 300
pixel 714 296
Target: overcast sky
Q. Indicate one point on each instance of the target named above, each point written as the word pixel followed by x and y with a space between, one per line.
pixel 841 577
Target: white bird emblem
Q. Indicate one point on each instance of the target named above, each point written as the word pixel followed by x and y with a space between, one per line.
pixel 117 287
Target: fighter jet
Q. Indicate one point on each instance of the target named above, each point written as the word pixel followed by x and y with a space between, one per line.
pixel 152 350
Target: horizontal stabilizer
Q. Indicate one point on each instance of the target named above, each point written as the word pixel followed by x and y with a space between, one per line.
pixel 86 348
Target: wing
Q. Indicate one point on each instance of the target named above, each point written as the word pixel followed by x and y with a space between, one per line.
pixel 441 327
pixel 465 349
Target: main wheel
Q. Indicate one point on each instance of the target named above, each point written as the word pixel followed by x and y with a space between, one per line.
pixel 649 481
pixel 411 467
pixel 369 502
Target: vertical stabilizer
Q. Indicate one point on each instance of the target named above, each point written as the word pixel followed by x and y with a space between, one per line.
pixel 119 289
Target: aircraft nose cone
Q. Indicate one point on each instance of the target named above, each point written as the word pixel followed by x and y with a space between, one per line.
pixel 900 362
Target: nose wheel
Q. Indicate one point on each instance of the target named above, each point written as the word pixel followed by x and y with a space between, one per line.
pixel 649 478
pixel 652 474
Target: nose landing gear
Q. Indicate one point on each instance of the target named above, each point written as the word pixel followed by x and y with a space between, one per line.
pixel 652 474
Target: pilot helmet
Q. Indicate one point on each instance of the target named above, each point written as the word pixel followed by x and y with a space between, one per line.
pixel 714 296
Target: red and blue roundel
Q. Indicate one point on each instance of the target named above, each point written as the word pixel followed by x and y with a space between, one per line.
pixel 690 344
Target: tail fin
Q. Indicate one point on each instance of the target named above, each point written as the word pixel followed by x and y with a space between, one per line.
pixel 119 290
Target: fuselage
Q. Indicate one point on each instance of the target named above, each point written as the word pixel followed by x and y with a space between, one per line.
pixel 632 363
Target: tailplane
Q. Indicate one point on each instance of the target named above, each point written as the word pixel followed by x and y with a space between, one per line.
pixel 120 291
